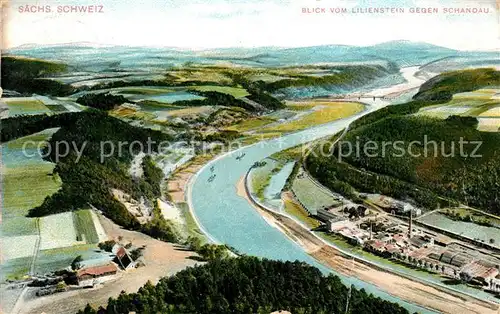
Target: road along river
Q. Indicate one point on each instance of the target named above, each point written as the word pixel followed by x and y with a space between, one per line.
pixel 228 218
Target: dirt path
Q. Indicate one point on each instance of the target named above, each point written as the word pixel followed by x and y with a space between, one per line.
pixel 161 259
pixel 409 290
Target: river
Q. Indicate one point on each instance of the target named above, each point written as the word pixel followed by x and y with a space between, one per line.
pixel 228 218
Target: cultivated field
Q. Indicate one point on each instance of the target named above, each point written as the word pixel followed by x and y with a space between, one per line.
pixel 19 246
pixel 324 112
pixel 27 181
pixel 250 124
pixel 25 105
pixel 480 103
pixel 308 193
pixel 85 229
pixel 489 124
pixel 493 112
pixel 236 92
pixel 57 231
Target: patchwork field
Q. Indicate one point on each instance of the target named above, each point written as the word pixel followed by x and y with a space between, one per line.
pixel 266 77
pixel 27 181
pixel 54 259
pixel 190 111
pixel 482 103
pixel 57 231
pixel 141 90
pixel 19 246
pixel 444 112
pixel 25 105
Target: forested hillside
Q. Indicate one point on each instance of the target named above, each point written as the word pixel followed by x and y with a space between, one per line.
pixel 439 169
pixel 248 285
pixel 88 177
pixel 27 76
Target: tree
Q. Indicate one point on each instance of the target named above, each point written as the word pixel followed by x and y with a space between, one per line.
pixel 107 245
pixel 76 263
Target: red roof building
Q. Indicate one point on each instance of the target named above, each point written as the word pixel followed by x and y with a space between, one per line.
pixel 96 272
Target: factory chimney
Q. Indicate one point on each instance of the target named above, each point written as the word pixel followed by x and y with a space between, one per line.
pixel 410 225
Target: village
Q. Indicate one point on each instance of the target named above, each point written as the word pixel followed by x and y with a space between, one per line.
pixel 389 229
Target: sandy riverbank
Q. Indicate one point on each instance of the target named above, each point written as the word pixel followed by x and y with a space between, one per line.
pixel 177 184
pixel 411 291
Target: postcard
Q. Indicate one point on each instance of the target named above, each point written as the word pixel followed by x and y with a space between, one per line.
pixel 260 156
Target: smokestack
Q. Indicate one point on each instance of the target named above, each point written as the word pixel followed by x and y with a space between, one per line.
pixel 410 227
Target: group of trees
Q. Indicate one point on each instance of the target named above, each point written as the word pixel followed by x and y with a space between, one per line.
pixel 102 101
pixel 248 285
pixel 207 251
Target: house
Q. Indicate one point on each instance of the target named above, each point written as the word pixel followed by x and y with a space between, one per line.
pixel 122 257
pixel 91 276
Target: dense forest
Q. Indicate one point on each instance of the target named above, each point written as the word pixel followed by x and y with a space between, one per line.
pixel 248 285
pixel 347 76
pixel 27 76
pixel 442 171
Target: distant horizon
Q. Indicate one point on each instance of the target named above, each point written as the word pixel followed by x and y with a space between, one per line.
pixel 219 24
pixel 200 49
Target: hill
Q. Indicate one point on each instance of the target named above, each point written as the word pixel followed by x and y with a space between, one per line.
pixel 25 75
pixel 403 53
pixel 433 171
pixel 93 152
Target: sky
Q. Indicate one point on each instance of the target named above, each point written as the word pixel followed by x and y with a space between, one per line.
pixel 201 24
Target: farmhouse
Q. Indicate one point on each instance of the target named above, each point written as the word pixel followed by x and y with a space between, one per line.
pixel 91 276
pixel 123 258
